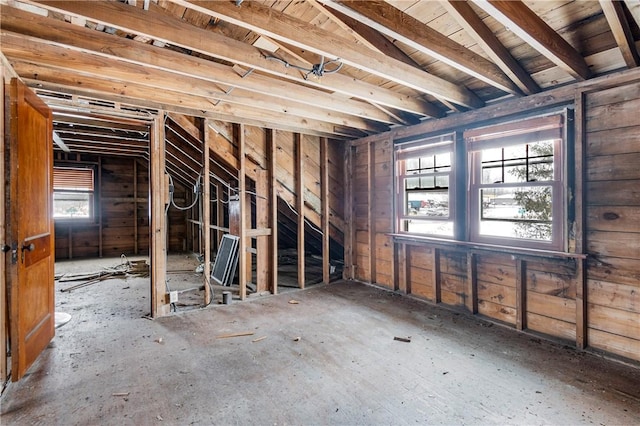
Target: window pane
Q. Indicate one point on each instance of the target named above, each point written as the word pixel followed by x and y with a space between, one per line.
pixel 429 227
pixel 523 212
pixel 71 205
pixel 428 203
pixel 520 163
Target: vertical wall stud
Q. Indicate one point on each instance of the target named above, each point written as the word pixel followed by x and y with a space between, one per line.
pixel 158 222
pixel 324 199
pixel 371 201
pixel 206 209
pixel 300 206
pixel 273 209
pixel 521 294
pixel 244 212
pixel 582 323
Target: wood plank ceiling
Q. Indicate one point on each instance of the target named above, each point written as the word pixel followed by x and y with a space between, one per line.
pixel 332 68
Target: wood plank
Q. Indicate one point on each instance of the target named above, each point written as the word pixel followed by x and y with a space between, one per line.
pixel 613 269
pixel 497 311
pixel 350 231
pixel 551 326
pixel 158 249
pixel 613 218
pixel 324 198
pixel 521 294
pixel 614 167
pixel 400 26
pixel 551 306
pixel 495 273
pixel 613 115
pixel 174 31
pixel 287 29
pixel 527 25
pixel 471 280
pixel 616 244
pixel 622 140
pixel 497 294
pixel 206 208
pixel 551 284
pixel 621 30
pixel 615 321
pixel 612 343
pixel 371 205
pixel 402 281
pixel 244 210
pixel 485 37
pixel 299 176
pixel 599 193
pixel 272 153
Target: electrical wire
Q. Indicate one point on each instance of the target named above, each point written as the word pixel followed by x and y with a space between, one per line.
pixel 311 225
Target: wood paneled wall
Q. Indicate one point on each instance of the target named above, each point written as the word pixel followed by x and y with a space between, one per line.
pixel 121 224
pixel 594 302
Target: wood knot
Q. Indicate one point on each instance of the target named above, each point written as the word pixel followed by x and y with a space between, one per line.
pixel 611 216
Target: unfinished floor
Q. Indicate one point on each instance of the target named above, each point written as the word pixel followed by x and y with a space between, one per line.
pixel 330 358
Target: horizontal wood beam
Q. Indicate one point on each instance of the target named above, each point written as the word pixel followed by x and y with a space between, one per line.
pixel 524 22
pixel 398 25
pixel 468 19
pixel 55 79
pixel 152 57
pixel 280 26
pixel 171 30
pixel 621 30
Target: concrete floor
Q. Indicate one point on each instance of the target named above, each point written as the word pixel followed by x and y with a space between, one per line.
pixel 331 358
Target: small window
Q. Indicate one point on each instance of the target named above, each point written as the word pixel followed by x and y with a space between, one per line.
pixel 424 193
pixel 73 193
pixel 516 192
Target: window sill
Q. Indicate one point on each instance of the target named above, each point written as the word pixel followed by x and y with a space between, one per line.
pixel 467 246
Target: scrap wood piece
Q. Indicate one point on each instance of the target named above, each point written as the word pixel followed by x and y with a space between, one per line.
pixel 258 339
pixel 90 282
pixel 403 339
pixel 293 302
pixel 243 333
pixel 120 394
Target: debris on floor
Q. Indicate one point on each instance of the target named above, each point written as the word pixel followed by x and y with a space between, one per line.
pixel 403 339
pixel 139 268
pixel 244 333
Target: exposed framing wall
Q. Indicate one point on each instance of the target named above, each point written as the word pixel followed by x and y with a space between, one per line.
pixel 590 296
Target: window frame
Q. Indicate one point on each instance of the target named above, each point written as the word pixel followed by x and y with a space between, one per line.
pixel 466 174
pixel 92 217
pixel 416 149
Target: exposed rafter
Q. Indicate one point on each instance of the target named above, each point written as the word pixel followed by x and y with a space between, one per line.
pixel 178 33
pixel 280 26
pixel 472 24
pixel 522 21
pixel 614 12
pixel 398 25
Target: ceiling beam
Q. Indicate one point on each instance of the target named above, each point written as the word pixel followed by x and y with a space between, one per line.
pixel 472 24
pixel 614 12
pixel 280 26
pixel 523 22
pixel 111 46
pixel 398 25
pixel 39 76
pixel 379 42
pixel 37 51
pixel 176 32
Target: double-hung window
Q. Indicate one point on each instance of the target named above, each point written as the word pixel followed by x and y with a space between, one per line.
pixel 73 193
pixel 512 188
pixel 516 192
pixel 424 193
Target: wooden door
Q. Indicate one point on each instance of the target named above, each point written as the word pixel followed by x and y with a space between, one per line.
pixel 31 291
